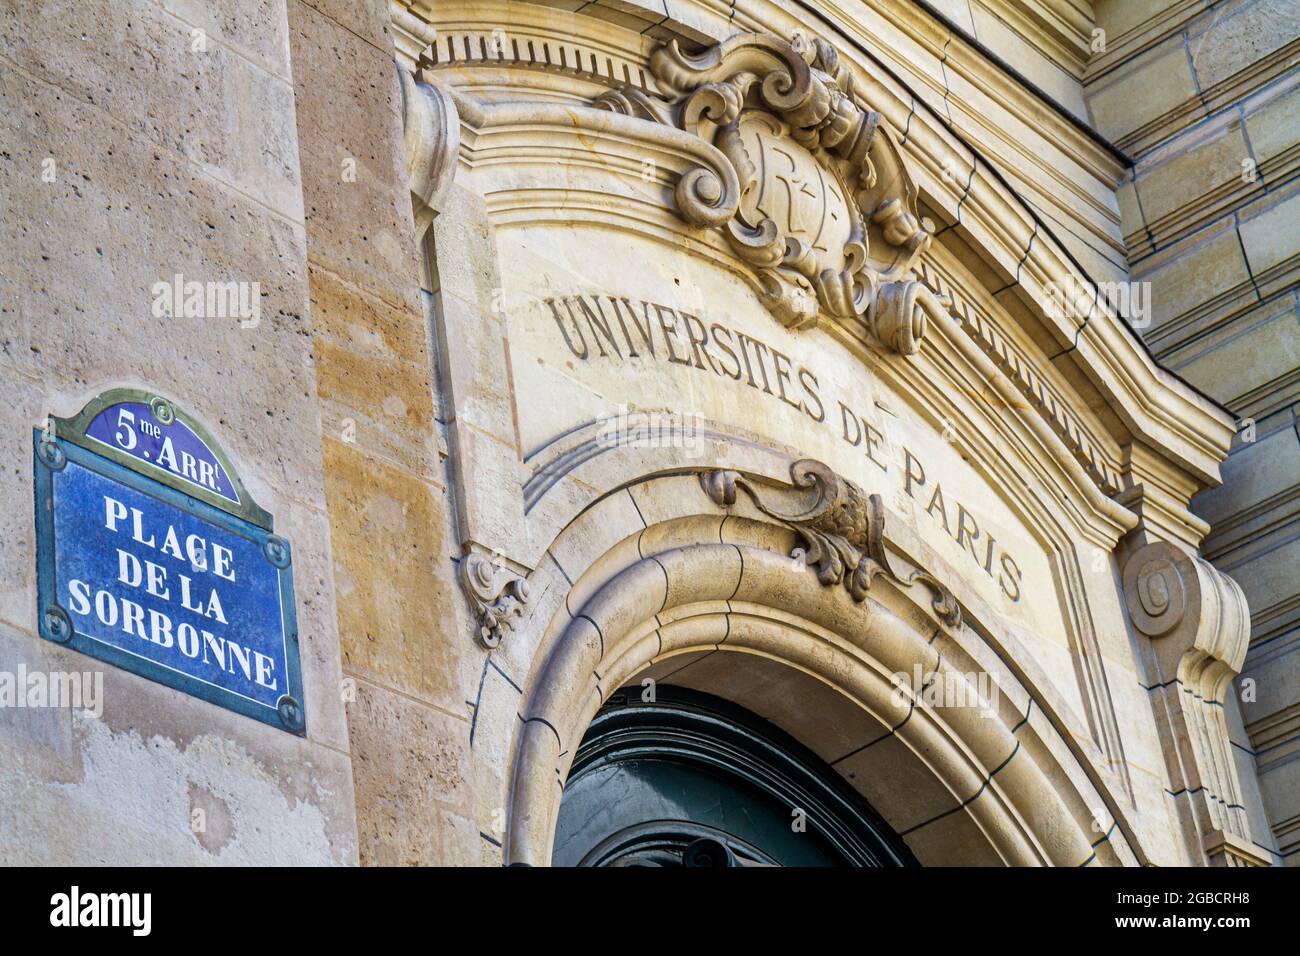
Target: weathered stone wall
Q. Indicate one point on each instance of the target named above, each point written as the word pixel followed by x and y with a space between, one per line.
pixel 139 140
pixel 401 623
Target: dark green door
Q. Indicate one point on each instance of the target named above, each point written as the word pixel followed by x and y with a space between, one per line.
pixel 691 780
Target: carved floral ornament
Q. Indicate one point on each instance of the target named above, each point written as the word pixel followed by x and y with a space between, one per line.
pixel 820 204
pixel 840 527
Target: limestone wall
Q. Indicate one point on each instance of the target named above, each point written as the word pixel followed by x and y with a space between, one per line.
pixel 143 140
pixel 399 609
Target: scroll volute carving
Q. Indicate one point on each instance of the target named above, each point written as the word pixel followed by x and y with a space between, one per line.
pixel 841 528
pixel 1196 617
pixel 497 595
pixel 431 133
pixel 1198 628
pixel 822 207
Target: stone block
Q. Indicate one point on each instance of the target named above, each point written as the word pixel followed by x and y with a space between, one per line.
pixel 188 95
pixel 139 771
pixel 466 254
pixel 1221 46
pixel 356 199
pixel 368 19
pixel 363 323
pixel 1190 168
pixel 384 406
pixel 1194 273
pixel 1151 85
pixel 257 31
pixel 1254 472
pixel 1273 120
pixel 1235 367
pixel 393 578
pixel 594 532
pixel 489 490
pixel 1270 230
pixel 411 770
pixel 475 367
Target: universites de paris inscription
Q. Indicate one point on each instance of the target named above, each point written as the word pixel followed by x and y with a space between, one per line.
pixel 613 328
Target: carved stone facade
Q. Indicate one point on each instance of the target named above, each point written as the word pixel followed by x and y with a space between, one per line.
pixel 754 352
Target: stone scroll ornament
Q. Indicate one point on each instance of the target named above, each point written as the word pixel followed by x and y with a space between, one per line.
pixel 841 528
pixel 821 207
pixel 431 142
pixel 1197 628
pixel 497 594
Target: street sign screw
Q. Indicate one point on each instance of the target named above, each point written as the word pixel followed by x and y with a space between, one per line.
pixel 51 455
pixel 58 626
pixel 290 712
pixel 276 550
pixel 162 410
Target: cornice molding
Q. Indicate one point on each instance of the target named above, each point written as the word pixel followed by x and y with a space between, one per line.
pixel 611 61
pixel 993 82
pixel 1022 371
pixel 1155 405
pixel 711 20
pixel 1121 48
pixel 1060 29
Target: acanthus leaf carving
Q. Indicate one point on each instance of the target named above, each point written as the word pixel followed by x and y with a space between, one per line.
pixel 841 528
pixel 822 208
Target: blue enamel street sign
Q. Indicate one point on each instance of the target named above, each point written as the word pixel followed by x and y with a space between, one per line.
pixel 144 563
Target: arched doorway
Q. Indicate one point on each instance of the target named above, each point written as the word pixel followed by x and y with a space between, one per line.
pixel 723 601
pixel 670 777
